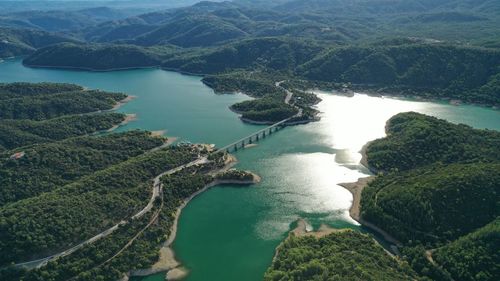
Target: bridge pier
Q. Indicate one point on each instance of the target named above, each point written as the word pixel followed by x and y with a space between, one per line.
pixel 257 137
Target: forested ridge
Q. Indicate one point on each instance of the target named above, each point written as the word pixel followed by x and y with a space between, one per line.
pixel 17 133
pixel 408 48
pixel 54 164
pixel 144 251
pixel 415 140
pixel 345 255
pixel 41 107
pixel 437 190
pixel 429 70
pixel 32 113
pixel 59 184
pixel 42 225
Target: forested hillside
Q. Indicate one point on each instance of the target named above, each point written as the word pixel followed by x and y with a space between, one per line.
pixel 47 166
pixel 61 186
pixel 34 113
pixel 95 57
pixel 16 133
pixel 429 70
pixel 435 71
pixel 346 255
pixel 20 42
pixel 439 190
pixel 474 256
pixel 74 212
pixel 41 106
pixel 434 204
pixel 415 140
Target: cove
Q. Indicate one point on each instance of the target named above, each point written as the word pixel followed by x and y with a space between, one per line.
pixel 230 233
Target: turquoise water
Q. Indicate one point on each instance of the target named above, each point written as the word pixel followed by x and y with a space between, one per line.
pixel 230 233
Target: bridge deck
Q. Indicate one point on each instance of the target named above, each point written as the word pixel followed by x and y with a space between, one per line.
pixel 254 134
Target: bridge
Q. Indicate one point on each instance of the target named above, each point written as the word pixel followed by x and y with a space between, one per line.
pixel 254 137
pixel 262 134
pixel 157 189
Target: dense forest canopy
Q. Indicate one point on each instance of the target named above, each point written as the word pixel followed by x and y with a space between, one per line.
pixel 32 113
pixel 346 255
pixel 415 140
pixel 437 184
pixel 468 257
pixel 47 166
pixel 62 184
pixel 438 193
pixel 431 70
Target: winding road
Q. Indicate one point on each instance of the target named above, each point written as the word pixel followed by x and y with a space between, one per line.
pixel 156 191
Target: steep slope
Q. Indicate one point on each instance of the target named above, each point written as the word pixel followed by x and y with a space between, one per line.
pixel 345 255
pixel 473 257
pixel 20 42
pixel 438 70
pixel 439 183
pixel 415 140
pixel 95 57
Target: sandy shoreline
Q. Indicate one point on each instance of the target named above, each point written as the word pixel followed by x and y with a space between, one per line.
pixel 128 118
pixel 167 261
pixel 356 189
pixel 302 230
pixel 122 102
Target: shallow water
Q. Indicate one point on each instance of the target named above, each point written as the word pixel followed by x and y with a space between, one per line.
pixel 230 233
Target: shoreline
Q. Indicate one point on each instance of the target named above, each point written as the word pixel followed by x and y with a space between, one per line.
pixel 167 262
pixel 128 118
pixel 82 68
pixel 356 189
pixel 399 96
pixel 351 91
pixel 123 102
pixel 91 69
pixel 301 230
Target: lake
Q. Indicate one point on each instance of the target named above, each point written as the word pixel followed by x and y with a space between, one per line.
pixel 230 233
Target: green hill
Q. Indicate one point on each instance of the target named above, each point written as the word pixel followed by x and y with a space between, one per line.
pixel 439 185
pixel 434 204
pixel 434 71
pixel 46 166
pixel 94 57
pixel 415 140
pixel 21 42
pixel 192 31
pixel 474 256
pixel 16 133
pixel 346 255
pixel 39 226
pixel 271 53
pixel 50 105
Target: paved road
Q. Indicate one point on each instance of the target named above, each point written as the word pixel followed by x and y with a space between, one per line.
pixel 155 193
